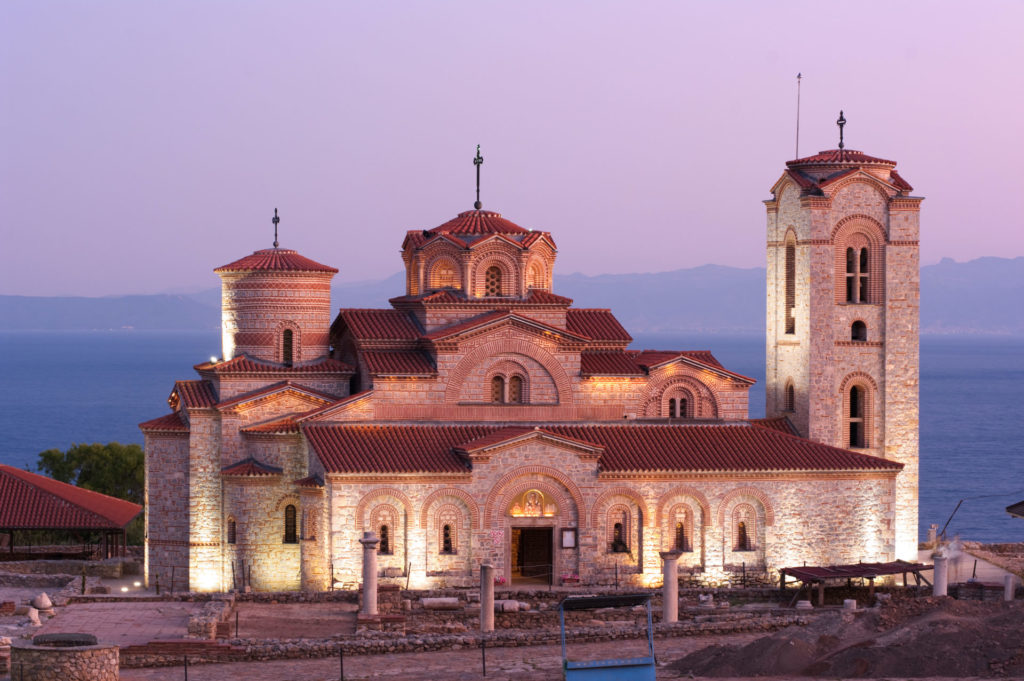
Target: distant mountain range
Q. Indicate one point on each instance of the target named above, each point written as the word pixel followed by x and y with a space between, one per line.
pixel 981 296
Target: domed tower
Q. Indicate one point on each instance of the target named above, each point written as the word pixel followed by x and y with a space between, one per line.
pixel 842 313
pixel 480 254
pixel 276 306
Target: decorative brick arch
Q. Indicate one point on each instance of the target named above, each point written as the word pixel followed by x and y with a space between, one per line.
pixel 706 404
pixel 753 492
pixel 867 382
pixel 506 262
pixel 627 492
pixel 684 491
pixel 492 511
pixel 860 218
pixel 462 495
pixel 364 503
pixel 296 340
pixel 547 487
pixel 443 258
pixel 858 377
pixel 286 499
pixel 509 346
pixel 885 191
pixel 537 262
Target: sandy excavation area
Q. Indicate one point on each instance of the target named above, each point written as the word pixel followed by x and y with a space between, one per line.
pixel 908 638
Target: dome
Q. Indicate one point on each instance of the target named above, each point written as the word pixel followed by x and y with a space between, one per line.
pixel 277 260
pixel 839 157
pixel 479 222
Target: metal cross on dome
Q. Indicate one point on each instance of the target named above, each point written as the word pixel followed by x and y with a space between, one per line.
pixel 275 221
pixel 841 122
pixel 478 161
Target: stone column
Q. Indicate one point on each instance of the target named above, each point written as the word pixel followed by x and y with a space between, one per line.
pixel 369 542
pixel 1009 584
pixel 941 577
pixel 486 597
pixel 670 586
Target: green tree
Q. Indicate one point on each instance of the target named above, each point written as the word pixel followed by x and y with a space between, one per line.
pixel 113 468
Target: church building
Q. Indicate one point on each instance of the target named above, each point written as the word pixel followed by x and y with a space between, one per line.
pixel 483 418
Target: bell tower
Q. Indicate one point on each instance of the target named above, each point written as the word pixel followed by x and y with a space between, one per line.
pixel 842 314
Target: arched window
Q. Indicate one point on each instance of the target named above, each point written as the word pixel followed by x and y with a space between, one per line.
pixel 492 281
pixel 232 531
pixel 385 540
pixel 286 347
pixel 859 331
pixel 789 404
pixel 857 275
pixel 535 276
pixel 291 536
pixel 619 544
pixel 446 540
pixel 680 542
pixel 855 419
pixel 515 390
pixel 790 287
pixel 672 406
pixel 444 275
pixel 742 538
pixel 498 390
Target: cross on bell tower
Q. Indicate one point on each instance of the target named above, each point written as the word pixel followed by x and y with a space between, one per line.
pixel 276 220
pixel 841 122
pixel 478 161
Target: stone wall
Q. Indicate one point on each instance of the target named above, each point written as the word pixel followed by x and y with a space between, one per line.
pixel 82 663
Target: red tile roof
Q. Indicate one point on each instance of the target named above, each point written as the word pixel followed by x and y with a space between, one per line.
pixel 897 181
pixel 538 296
pixel 457 297
pixel 288 424
pixel 495 317
pixel 479 222
pixel 275 259
pixel 839 157
pixel 628 447
pixel 341 403
pixel 168 423
pixel 398 363
pixel 194 394
pixel 277 387
pixel 596 324
pixel 32 501
pixel 247 365
pixel 379 324
pixel 779 423
pixel 250 466
pixel 609 364
pixel 650 359
pixel 310 481
pixel 509 433
pixel 362 448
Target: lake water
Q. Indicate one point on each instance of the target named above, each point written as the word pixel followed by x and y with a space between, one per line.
pixel 60 388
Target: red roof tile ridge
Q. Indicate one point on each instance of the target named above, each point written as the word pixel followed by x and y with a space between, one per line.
pixel 836 156
pixel 656 358
pixel 344 401
pixel 314 480
pixel 243 364
pixel 283 424
pixel 478 222
pixel 195 393
pixel 167 423
pixel 495 317
pixel 274 388
pixel 275 259
pixel 250 466
pixel 117 512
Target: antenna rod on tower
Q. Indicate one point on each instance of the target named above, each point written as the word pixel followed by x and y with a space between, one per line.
pixel 799 77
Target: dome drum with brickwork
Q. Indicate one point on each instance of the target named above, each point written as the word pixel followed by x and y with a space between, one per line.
pixel 479 254
pixel 276 307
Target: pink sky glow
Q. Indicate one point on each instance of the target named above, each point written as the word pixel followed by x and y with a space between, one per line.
pixel 142 144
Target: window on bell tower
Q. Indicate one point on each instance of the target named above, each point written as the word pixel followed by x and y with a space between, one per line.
pixel 790 288
pixel 855 420
pixel 857 275
pixel 286 347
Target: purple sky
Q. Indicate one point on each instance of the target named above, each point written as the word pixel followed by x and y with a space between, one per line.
pixel 142 144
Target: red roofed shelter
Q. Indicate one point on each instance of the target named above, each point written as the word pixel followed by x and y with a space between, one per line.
pixel 31 502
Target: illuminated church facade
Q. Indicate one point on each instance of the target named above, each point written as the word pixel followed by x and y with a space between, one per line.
pixel 483 418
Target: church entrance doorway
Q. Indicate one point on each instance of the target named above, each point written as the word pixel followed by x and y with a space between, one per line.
pixel 532 555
